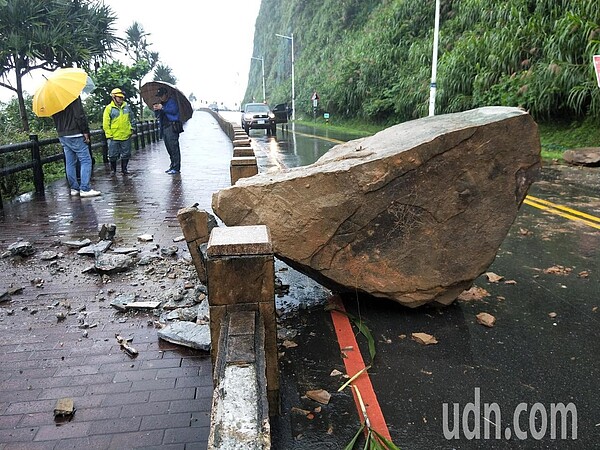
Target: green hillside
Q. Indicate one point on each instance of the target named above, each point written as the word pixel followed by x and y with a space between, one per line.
pixel 371 59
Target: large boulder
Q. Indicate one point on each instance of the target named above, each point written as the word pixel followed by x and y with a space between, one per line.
pixel 414 213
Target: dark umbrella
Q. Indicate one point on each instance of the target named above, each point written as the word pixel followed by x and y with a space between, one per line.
pixel 148 92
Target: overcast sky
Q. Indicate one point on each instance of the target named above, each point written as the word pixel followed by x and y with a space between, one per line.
pixel 207 44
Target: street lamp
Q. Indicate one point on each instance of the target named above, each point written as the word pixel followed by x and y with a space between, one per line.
pixel 291 38
pixel 433 85
pixel 263 76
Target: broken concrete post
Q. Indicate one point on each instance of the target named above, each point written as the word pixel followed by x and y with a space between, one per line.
pixel 239 413
pixel 241 277
pixel 196 226
pixel 414 213
pixel 242 167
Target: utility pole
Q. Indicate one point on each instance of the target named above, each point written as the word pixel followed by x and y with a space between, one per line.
pixel 433 85
pixel 291 38
pixel 263 76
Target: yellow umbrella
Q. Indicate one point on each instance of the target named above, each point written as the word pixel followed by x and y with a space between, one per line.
pixel 59 90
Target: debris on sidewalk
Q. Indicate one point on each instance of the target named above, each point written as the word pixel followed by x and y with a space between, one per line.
pixel 145 237
pixel 107 231
pixel 94 249
pixel 20 248
pixel 169 251
pixel 64 407
pixel 113 263
pixel 188 334
pixel 48 255
pixel 78 244
pixel 124 343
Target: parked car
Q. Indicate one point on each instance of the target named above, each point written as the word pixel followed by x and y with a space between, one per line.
pixel 258 116
pixel 281 112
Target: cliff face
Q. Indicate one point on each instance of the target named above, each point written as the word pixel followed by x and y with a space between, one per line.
pixel 371 59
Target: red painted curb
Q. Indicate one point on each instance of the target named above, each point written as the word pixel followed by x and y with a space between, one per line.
pixel 354 363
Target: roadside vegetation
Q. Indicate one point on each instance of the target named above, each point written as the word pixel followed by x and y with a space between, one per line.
pixel 370 61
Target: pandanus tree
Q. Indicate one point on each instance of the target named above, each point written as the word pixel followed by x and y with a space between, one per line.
pixel 48 34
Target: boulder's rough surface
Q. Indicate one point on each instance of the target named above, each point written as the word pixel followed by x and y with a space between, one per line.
pixel 586 156
pixel 414 213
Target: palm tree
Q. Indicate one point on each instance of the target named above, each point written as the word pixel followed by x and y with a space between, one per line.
pixel 138 49
pixel 164 73
pixel 57 34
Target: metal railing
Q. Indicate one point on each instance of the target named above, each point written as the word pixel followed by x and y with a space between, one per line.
pixel 146 132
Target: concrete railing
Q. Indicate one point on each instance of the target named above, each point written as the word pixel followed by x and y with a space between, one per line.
pixel 237 265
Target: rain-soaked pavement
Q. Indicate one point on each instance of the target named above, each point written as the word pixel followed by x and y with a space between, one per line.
pixel 542 352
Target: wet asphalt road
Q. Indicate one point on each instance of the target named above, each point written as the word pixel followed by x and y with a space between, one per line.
pixel 542 352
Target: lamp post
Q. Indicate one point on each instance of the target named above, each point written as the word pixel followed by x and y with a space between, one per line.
pixel 433 85
pixel 291 38
pixel 263 76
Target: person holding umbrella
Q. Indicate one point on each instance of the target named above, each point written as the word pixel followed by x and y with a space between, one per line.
pixel 74 135
pixel 167 112
pixel 59 97
pixel 117 124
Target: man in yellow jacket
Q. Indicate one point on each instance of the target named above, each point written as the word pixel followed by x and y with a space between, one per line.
pixel 117 122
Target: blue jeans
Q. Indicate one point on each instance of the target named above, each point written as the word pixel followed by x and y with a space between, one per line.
pixel 172 143
pixel 75 150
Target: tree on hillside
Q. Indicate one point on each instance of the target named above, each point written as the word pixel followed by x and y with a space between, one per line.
pixel 138 49
pixel 164 73
pixel 48 34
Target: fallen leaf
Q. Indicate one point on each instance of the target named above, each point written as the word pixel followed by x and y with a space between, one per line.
pixel 319 395
pixel 423 338
pixel 552 315
pixel 583 274
pixel 475 293
pixel 524 232
pixel 510 282
pixel 486 319
pixel 335 373
pixel 300 411
pixel 402 336
pixel 558 270
pixel 426 372
pixel 493 278
pixel 594 309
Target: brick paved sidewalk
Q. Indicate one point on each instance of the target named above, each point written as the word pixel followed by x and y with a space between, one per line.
pixel 162 398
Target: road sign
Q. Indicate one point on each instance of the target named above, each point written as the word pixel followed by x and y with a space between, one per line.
pixel 597 67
